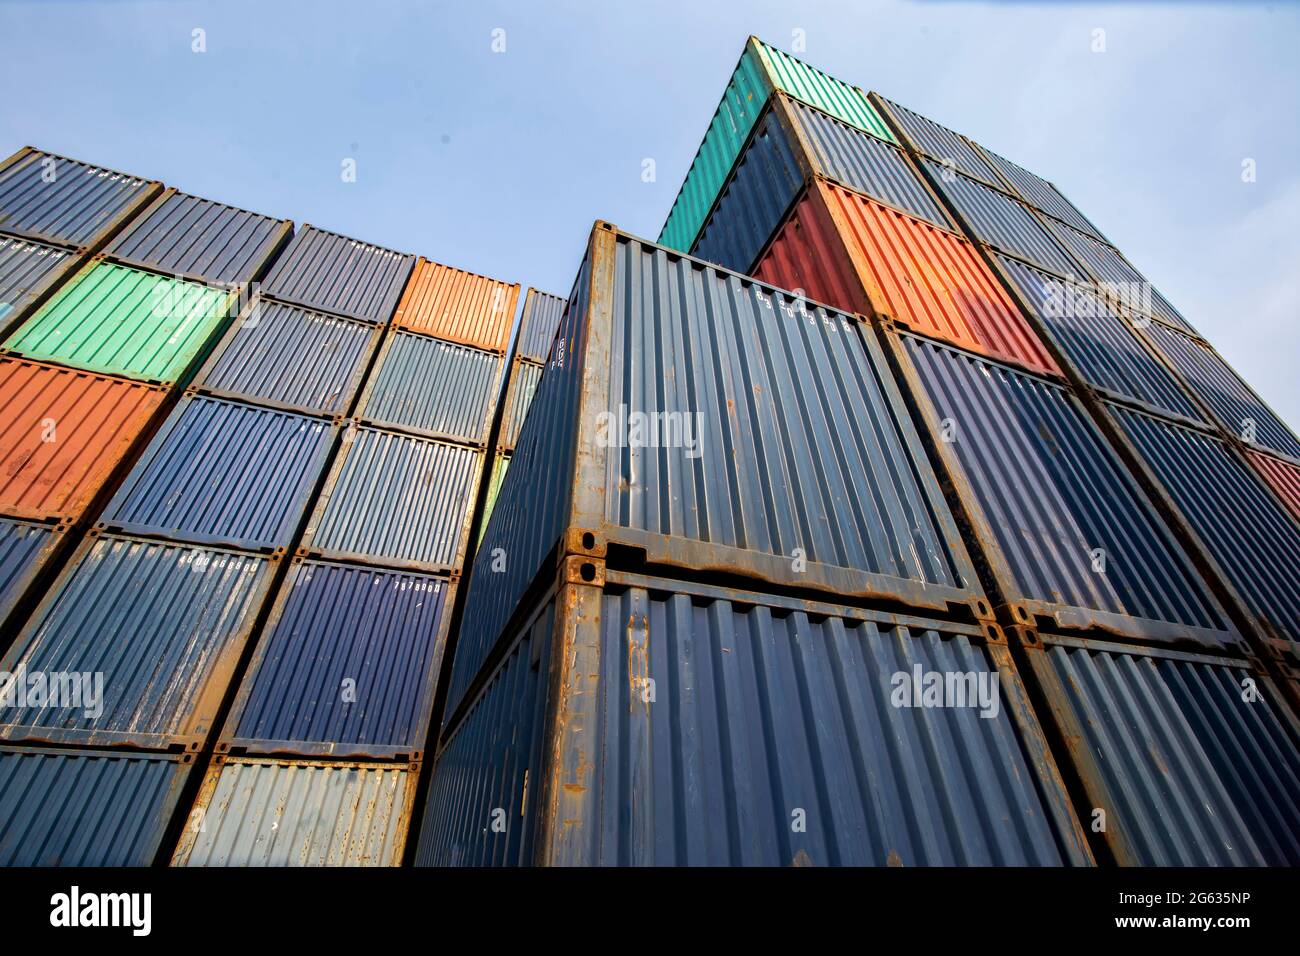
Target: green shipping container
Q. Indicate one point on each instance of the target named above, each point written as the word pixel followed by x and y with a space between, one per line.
pixel 494 489
pixel 761 70
pixel 123 321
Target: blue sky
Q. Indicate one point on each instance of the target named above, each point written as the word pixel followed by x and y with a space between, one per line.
pixel 499 162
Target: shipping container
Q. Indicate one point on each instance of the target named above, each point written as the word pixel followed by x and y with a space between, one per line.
pixel 225 473
pixel 323 270
pixel 25 549
pixel 1105 350
pixel 1282 476
pixel 199 239
pixel 927 137
pixel 83 808
pixel 1239 410
pixel 1039 193
pixel 791 144
pixel 29 271
pixel 641 721
pixel 495 480
pixel 396 500
pixel 122 321
pixel 263 812
pixel 856 254
pixel 1187 760
pixel 63 434
pixel 289 357
pixel 432 387
pixel 146 636
pixel 56 199
pixel 1069 536
pixel 458 306
pixel 537 324
pixel 524 377
pixel 694 419
pixel 762 69
pixel 1244 528
pixel 347 665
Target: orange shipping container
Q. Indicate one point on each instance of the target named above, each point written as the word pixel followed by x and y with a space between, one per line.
pixel 1283 476
pixel 62 434
pixel 458 306
pixel 843 249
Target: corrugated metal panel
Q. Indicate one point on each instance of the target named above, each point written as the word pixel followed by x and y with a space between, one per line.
pixel 201 239
pixel 495 480
pixel 761 70
pixel 523 385
pixel 260 812
pixel 537 325
pixel 294 358
pixel 761 710
pixel 938 142
pixel 80 808
pixel 164 625
pixel 24 547
pixel 1283 476
pixel 1103 347
pixel 222 472
pixel 1049 494
pixel 998 220
pixel 1251 536
pixel 847 250
pixel 62 435
pixel 396 499
pixel 433 387
pixel 347 664
pixel 1237 407
pixel 346 276
pixel 1190 770
pixel 1038 192
pixel 113 319
pixel 50 197
pixel 459 306
pixel 27 270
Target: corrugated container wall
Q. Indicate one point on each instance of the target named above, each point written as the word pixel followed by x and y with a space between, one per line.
pixel 537 325
pixel 326 271
pixel 523 385
pixel 28 270
pixel 1282 476
pixel 458 306
pixel 1039 193
pixel 24 548
pixel 938 142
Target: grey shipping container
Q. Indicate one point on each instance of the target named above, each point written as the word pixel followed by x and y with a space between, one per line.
pixel 225 473
pixel 347 664
pixel 25 546
pixel 289 357
pixel 29 271
pixel 537 324
pixel 938 142
pixel 1244 528
pixel 83 808
pixel 256 811
pixel 1068 534
pixel 1193 760
pixel 692 418
pixel 432 387
pixel 524 377
pixel 396 500
pixel 64 201
pixel 1039 193
pixel 200 239
pixel 160 627
pixel 323 270
pixel 638 721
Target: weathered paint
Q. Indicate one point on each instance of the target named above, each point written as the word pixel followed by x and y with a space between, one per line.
pixel 537 324
pixel 293 358
pixel 524 377
pixel 848 250
pixel 123 321
pixel 163 623
pixel 1282 476
pixel 333 273
pixel 86 808
pixel 458 306
pixel 25 547
pixel 28 270
pixel 1039 193
pixel 222 472
pixel 495 480
pixel 63 434
pixel 264 812
pixel 346 666
pixel 938 142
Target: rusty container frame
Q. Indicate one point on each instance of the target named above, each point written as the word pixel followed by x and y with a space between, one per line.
pixel 505 445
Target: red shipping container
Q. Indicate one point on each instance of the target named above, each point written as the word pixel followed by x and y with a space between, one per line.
pixel 1282 476
pixel 458 306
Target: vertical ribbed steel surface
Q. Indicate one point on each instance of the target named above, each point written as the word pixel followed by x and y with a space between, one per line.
pixel 1249 534
pixel 199 238
pixel 291 357
pixel 523 385
pixel 163 623
pixel 458 306
pixel 81 808
pixel 433 387
pixel 261 812
pixel 223 472
pixel 938 142
pixel 346 665
pixel 396 498
pixel 537 324
pixel 346 276
pixel 1283 476
pixel 1041 194
pixel 27 270
pixel 1193 770
pixel 23 548
pixel 495 480
pixel 50 197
